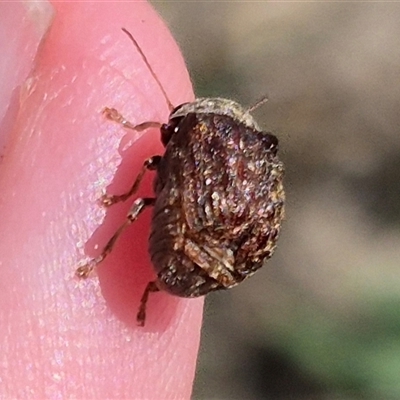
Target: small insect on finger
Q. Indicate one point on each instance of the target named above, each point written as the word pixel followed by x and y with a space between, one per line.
pixel 219 197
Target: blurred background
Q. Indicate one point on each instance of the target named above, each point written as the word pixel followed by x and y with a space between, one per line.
pixel 322 319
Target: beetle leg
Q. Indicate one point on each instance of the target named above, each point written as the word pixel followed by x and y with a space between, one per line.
pixel 113 115
pixel 138 207
pixel 141 315
pixel 150 164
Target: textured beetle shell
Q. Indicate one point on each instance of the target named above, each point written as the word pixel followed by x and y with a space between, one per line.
pixel 219 200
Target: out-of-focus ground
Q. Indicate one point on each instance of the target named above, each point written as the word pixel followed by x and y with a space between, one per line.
pixel 322 319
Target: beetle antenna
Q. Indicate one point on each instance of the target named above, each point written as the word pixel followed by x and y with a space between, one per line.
pixel 135 43
pixel 259 103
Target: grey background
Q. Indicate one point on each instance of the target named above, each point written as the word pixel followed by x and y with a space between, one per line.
pixel 322 319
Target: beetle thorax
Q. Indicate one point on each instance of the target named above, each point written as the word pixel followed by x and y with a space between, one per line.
pixel 217 106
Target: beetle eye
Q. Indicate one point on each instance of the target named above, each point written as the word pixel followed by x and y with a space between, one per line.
pixel 166 133
pixel 167 130
pixel 270 140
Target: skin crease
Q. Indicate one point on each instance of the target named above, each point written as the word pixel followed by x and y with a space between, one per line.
pixel 61 337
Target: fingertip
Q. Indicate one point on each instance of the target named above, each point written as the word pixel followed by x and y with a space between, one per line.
pixel 64 154
pixel 23 26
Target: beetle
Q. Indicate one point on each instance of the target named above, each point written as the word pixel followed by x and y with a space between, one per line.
pixel 219 197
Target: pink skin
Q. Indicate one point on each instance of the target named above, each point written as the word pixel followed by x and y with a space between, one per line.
pixel 61 337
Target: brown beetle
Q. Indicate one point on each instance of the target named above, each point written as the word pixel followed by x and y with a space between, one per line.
pixel 219 198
